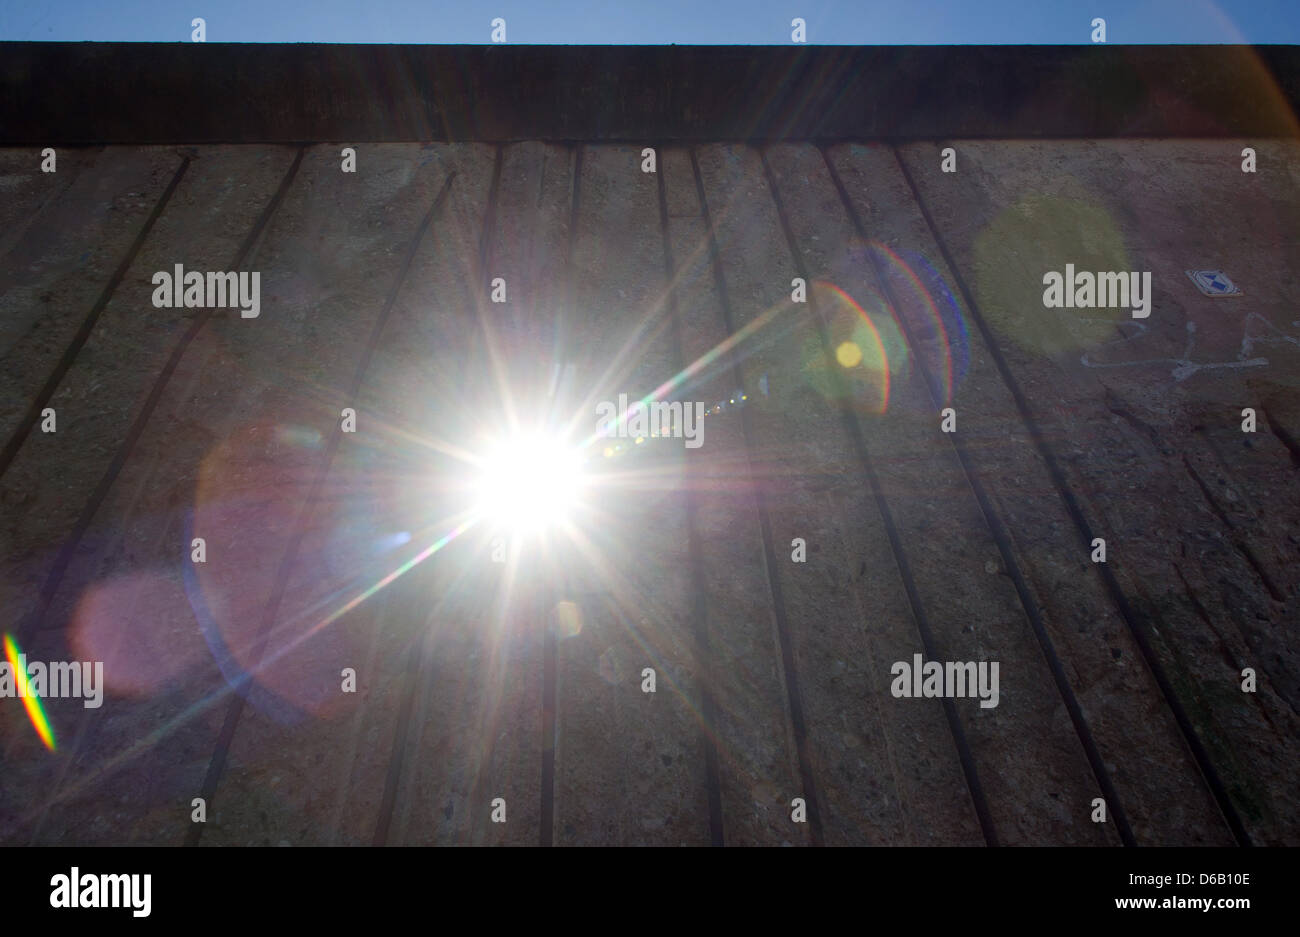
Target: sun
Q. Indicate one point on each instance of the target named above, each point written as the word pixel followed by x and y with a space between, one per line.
pixel 528 483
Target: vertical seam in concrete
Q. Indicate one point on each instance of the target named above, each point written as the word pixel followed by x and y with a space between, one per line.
pixel 699 597
pixel 996 528
pixel 1208 772
pixel 488 234
pixel 133 435
pixel 479 286
pixel 414 680
pixel 550 664
pixel 886 515
pixel 217 765
pixel 793 697
pixel 70 353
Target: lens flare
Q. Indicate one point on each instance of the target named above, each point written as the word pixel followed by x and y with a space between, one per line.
pixel 848 354
pixel 32 702
pixel 1048 230
pixel 866 346
pixel 568 619
pixel 929 313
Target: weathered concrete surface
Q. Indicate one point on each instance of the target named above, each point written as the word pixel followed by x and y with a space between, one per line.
pixel 476 731
pixel 1132 408
pixel 619 750
pixel 1164 805
pixel 215 205
pixel 757 756
pixel 119 561
pixel 1016 746
pixel 66 233
pixel 246 93
pixel 342 241
pixel 681 559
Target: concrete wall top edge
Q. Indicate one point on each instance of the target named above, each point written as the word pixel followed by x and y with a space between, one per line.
pixel 135 93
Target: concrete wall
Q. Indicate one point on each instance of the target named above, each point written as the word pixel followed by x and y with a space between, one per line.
pixel 522 680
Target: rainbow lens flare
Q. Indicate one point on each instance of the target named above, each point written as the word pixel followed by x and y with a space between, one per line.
pixel 35 711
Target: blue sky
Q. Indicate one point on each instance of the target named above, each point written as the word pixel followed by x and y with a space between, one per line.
pixel 657 22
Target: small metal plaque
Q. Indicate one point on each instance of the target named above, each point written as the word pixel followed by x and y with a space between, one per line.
pixel 1213 283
